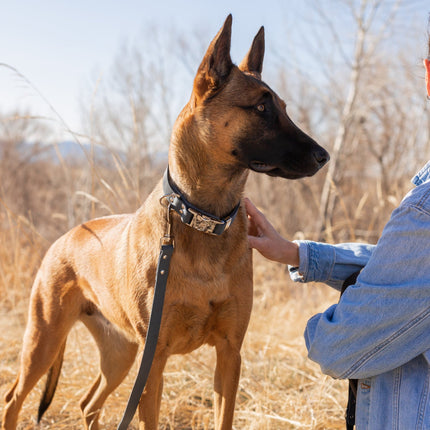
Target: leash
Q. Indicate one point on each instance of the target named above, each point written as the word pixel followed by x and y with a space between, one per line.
pixel 151 335
pixel 353 383
pixel 199 220
pixel 352 403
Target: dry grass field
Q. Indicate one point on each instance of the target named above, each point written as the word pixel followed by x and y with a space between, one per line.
pixel 279 388
pixel 367 109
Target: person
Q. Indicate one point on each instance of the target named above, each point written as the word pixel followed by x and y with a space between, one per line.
pixel 379 331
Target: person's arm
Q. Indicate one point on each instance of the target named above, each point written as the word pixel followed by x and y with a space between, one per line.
pixel 383 321
pixel 331 264
pixel 308 261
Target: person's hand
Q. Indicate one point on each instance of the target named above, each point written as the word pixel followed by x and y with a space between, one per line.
pixel 263 237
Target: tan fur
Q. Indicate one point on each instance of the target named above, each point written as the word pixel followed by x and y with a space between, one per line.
pixel 102 272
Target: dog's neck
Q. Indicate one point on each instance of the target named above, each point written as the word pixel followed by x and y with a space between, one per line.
pixel 216 191
pixel 213 187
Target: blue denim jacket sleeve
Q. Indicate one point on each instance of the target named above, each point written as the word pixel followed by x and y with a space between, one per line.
pixel 331 264
pixel 383 321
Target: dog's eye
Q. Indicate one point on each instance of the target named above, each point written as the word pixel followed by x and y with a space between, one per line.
pixel 261 107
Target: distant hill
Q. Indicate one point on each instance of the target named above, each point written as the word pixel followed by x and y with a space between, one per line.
pixel 74 152
pixel 70 150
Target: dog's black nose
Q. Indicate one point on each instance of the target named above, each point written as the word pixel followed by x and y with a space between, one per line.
pixel 321 156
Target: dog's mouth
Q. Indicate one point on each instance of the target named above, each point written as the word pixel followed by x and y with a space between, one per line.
pixel 276 171
pixel 260 167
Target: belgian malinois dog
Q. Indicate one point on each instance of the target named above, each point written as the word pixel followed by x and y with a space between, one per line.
pixel 102 272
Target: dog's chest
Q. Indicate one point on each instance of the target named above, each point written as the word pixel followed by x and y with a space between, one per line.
pixel 207 296
pixel 189 324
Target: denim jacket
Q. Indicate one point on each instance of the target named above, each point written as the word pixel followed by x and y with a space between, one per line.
pixel 379 332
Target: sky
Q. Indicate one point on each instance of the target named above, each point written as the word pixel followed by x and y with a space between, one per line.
pixel 49 50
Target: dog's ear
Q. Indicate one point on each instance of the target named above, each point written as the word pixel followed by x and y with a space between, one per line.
pixel 253 61
pixel 216 64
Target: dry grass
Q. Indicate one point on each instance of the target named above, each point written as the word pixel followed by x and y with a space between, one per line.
pixel 279 388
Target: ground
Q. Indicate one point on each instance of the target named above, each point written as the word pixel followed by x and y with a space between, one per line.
pixel 280 388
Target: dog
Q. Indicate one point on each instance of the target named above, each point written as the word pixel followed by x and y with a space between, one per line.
pixel 103 271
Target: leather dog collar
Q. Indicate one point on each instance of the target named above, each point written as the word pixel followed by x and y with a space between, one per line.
pixel 193 216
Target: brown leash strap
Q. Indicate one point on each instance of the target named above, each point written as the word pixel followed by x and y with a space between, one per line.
pixel 151 335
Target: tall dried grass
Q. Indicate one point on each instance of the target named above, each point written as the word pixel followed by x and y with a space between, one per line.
pixel 279 388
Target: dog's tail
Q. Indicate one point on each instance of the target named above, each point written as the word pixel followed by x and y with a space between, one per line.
pixel 51 383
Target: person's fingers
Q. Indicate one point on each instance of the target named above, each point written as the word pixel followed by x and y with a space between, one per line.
pixel 252 210
pixel 257 220
pixel 252 241
pixel 258 243
pixel 263 237
pixel 252 226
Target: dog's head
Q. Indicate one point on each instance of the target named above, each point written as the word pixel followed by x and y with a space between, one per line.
pixel 242 121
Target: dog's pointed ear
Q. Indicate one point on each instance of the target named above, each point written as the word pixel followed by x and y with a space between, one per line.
pixel 253 61
pixel 216 64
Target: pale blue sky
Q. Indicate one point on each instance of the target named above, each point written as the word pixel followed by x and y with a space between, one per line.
pixel 58 44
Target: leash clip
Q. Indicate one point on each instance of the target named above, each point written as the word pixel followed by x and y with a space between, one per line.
pixel 167 201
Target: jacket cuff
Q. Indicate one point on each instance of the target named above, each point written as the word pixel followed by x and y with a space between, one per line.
pixel 298 274
pixel 316 262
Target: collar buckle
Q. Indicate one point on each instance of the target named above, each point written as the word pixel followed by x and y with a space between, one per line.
pixel 204 223
pixel 192 216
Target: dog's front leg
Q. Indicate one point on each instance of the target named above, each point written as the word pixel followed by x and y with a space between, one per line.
pixel 149 405
pixel 227 374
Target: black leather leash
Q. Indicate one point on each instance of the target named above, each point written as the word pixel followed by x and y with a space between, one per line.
pixel 199 220
pixel 151 335
pixel 353 383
